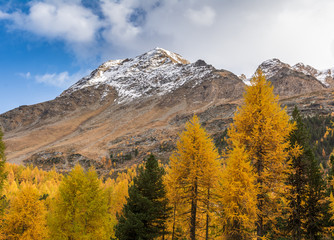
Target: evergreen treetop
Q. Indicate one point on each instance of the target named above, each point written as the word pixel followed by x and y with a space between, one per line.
pixel 145 214
pixel 306 186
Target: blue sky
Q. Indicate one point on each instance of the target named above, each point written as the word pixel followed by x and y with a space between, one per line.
pixel 47 45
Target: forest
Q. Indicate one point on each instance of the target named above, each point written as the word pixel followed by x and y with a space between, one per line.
pixel 269 176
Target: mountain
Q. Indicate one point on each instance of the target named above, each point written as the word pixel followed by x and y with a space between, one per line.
pixel 127 108
pixel 290 80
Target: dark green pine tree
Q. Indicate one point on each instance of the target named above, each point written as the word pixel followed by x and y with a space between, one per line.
pixel 146 211
pixel 315 195
pixel 297 180
pixel 304 220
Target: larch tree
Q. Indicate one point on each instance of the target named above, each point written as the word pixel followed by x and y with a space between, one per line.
pixel 145 214
pixel 175 202
pixel 80 210
pixel 117 192
pixel 262 127
pixel 26 216
pixel 331 213
pixel 329 203
pixel 238 197
pixel 193 174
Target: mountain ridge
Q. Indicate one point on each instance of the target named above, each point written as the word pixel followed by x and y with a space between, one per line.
pixel 127 108
pixel 271 67
pixel 156 72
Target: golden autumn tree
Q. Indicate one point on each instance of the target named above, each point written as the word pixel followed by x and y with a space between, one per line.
pixel 26 216
pixel 117 193
pixel 238 197
pixel 80 210
pixel 175 200
pixel 262 127
pixel 193 175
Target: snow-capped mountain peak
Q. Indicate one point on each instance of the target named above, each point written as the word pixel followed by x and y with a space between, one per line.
pixel 272 66
pixel 156 72
pixel 174 57
pixel 322 75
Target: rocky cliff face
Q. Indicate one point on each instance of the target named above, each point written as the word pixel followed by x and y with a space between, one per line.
pixel 127 108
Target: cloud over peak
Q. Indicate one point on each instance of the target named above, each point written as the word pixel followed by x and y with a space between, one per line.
pixel 235 35
pixel 203 17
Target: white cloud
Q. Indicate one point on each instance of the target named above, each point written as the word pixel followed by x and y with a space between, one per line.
pixel 63 79
pixel 242 34
pixel 118 27
pixel 234 35
pixel 68 21
pixel 25 75
pixel 203 17
pixel 302 33
pixel 4 15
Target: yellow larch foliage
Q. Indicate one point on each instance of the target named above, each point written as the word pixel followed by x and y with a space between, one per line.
pixel 46 182
pixel 117 192
pixel 262 127
pixel 331 205
pixel 26 216
pixel 238 197
pixel 175 223
pixel 80 209
pixel 192 178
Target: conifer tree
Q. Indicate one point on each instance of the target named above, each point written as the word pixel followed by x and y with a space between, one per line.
pixel 262 127
pixel 175 201
pixel 306 195
pixel 331 212
pixel 193 174
pixel 117 192
pixel 238 196
pixel 315 196
pixel 145 214
pixel 26 217
pixel 297 180
pixel 330 174
pixel 80 209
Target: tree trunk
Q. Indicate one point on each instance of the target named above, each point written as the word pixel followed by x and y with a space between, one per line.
pixel 173 232
pixel 259 168
pixel 297 233
pixel 193 211
pixel 260 225
pixel 207 217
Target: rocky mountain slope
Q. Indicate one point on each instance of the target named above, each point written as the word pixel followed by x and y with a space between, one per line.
pixel 127 108
pixel 308 76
